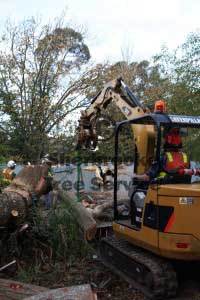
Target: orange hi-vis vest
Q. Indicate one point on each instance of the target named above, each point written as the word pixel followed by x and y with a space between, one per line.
pixel 8 175
pixel 176 161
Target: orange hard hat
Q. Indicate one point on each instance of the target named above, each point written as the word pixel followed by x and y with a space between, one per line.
pixel 159 106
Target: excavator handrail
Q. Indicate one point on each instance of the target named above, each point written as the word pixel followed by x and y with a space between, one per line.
pixel 164 119
pixel 148 119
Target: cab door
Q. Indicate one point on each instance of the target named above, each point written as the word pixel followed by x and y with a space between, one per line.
pixel 149 230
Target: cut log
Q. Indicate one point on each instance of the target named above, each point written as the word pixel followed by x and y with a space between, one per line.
pixel 13 207
pixel 17 197
pixel 82 215
pixel 99 210
pixel 14 290
pixel 79 292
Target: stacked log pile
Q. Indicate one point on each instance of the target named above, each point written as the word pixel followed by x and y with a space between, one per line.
pixel 93 208
pixel 100 204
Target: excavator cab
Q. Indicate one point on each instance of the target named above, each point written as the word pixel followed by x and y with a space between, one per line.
pixel 163 224
pixel 161 207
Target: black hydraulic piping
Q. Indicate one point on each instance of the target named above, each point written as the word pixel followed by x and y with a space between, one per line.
pixel 116 134
pixel 158 144
pixel 132 96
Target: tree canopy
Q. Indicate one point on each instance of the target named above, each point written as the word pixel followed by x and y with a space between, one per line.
pixel 38 88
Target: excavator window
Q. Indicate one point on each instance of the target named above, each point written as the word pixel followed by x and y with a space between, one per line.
pixel 191 144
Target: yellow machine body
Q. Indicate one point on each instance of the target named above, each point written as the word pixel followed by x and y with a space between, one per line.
pixel 179 236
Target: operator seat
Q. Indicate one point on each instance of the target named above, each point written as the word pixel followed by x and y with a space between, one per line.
pixel 137 195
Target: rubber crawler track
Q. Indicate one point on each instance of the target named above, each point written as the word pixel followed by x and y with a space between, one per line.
pixel 158 277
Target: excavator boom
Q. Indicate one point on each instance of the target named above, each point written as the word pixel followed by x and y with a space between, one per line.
pixel 118 92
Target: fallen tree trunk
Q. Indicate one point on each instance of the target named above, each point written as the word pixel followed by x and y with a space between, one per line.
pixel 18 196
pixel 79 292
pixel 13 207
pixel 82 215
pixel 14 290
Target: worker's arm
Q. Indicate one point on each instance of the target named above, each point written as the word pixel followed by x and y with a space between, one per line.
pixel 151 174
pixel 141 177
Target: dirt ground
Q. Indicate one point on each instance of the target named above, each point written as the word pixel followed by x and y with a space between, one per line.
pixel 104 283
pixel 108 286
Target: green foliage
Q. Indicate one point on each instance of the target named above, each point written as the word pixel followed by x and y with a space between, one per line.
pixel 28 274
pixel 53 239
pixel 61 233
pixel 60 39
pixel 5 150
pixel 182 68
pixel 65 236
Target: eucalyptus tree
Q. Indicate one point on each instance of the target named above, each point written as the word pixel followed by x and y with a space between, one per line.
pixel 41 80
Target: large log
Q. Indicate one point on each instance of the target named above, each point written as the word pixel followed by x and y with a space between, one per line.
pixel 82 215
pixel 79 292
pixel 16 199
pixel 14 290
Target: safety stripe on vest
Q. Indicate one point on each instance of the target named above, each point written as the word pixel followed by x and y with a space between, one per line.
pixel 169 156
pixel 185 158
pixel 161 175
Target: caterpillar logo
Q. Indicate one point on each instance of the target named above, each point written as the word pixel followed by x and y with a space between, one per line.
pixel 126 110
pixel 185 119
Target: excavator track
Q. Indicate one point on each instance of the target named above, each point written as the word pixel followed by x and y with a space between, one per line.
pixel 146 272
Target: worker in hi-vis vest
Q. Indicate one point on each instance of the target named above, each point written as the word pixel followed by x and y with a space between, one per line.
pixel 8 174
pixel 173 162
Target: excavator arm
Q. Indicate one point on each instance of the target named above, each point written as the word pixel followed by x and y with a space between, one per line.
pixel 117 92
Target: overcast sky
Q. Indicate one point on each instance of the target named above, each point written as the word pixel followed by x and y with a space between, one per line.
pixel 140 25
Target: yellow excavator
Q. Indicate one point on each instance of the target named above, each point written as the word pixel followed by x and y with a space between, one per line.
pixel 163 222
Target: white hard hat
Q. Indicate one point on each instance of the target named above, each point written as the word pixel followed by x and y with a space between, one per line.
pixel 45 160
pixel 11 164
